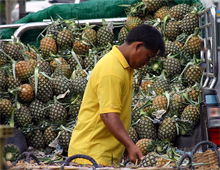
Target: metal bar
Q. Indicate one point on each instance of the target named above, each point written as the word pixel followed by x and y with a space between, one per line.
pixel 42 25
pixel 10 26
pixel 205 26
pixel 204 11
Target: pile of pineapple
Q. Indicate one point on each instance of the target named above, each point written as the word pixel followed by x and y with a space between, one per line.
pixel 41 89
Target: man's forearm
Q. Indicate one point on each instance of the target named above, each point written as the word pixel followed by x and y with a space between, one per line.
pixel 115 126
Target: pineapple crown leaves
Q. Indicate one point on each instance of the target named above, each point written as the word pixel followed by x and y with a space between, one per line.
pixel 159 146
pixel 66 128
pixel 76 58
pixel 134 9
pixel 12 118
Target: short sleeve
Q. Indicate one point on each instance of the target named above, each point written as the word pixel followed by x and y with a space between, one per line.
pixel 109 94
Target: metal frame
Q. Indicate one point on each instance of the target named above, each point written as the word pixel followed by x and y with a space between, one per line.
pixel 208 51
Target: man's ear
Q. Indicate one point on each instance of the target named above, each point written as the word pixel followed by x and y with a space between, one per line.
pixel 138 45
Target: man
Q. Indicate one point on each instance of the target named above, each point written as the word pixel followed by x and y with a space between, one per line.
pixel 105 114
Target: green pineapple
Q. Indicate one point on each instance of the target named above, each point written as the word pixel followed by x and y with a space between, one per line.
pixel 192 45
pixel 65 39
pixel 61 85
pixel 3 57
pixel 135 114
pixel 193 94
pixel 57 62
pixel 22 116
pixel 143 144
pixel 48 45
pixel 160 102
pixel 193 74
pixel 133 22
pixel 161 12
pixel 44 66
pixel 171 48
pixel 73 63
pixel 167 130
pixel 49 135
pixel 175 85
pixel 13 83
pixel 91 35
pixel 146 128
pixel 172 66
pixel 122 35
pixel 191 114
pixel 189 23
pixel 79 85
pixel 133 134
pixel 11 152
pixel 64 139
pixel 149 160
pixel 57 112
pixel 74 109
pixel 13 50
pixel 179 11
pixel 172 30
pixel 177 103
pixel 160 86
pixel 38 110
pixel 152 6
pixel 90 60
pixel 36 139
pixel 54 29
pixel 105 35
pixel 44 88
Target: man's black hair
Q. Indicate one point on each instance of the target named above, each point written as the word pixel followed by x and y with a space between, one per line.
pixel 149 35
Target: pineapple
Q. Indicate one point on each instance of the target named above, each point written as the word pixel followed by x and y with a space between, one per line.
pixel 81 46
pixel 73 63
pixel 6 109
pixel 171 48
pixel 160 86
pixel 161 161
pixel 62 70
pixel 135 115
pixel 89 61
pixel 22 116
pixel 191 114
pixel 143 144
pixel 79 85
pixel 26 93
pixel 61 85
pixel 74 109
pixel 189 23
pixel 11 152
pixel 13 50
pixel 57 62
pixel 57 112
pixel 31 54
pixel 3 81
pixel 23 70
pixel 167 130
pixel 49 135
pixel 133 22
pixel 48 45
pixel 179 11
pixel 172 30
pixel 38 110
pixel 146 129
pixel 65 39
pixel 175 85
pixel 91 35
pixel 44 88
pixel 152 6
pixel 146 86
pixel 36 139
pixel 44 66
pixel 172 66
pixel 161 12
pixel 122 35
pixel 133 134
pixel 13 83
pixel 149 160
pixel 193 94
pixel 105 35
pixel 192 45
pixel 3 57
pixel 54 29
pixel 160 103
pixel 193 74
pixel 177 104
pixel 64 139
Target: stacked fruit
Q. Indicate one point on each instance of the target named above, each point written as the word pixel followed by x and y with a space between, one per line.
pixel 41 89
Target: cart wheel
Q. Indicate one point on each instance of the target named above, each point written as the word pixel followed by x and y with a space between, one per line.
pixel 184 156
pixel 27 155
pixel 68 160
pixel 215 147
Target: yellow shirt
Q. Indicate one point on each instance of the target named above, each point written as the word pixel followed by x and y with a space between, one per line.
pixel 109 89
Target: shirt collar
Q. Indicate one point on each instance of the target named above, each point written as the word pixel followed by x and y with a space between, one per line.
pixel 117 53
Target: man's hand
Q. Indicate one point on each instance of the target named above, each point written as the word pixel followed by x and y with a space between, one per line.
pixel 115 126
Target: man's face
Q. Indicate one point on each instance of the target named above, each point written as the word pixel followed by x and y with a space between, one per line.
pixel 141 57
